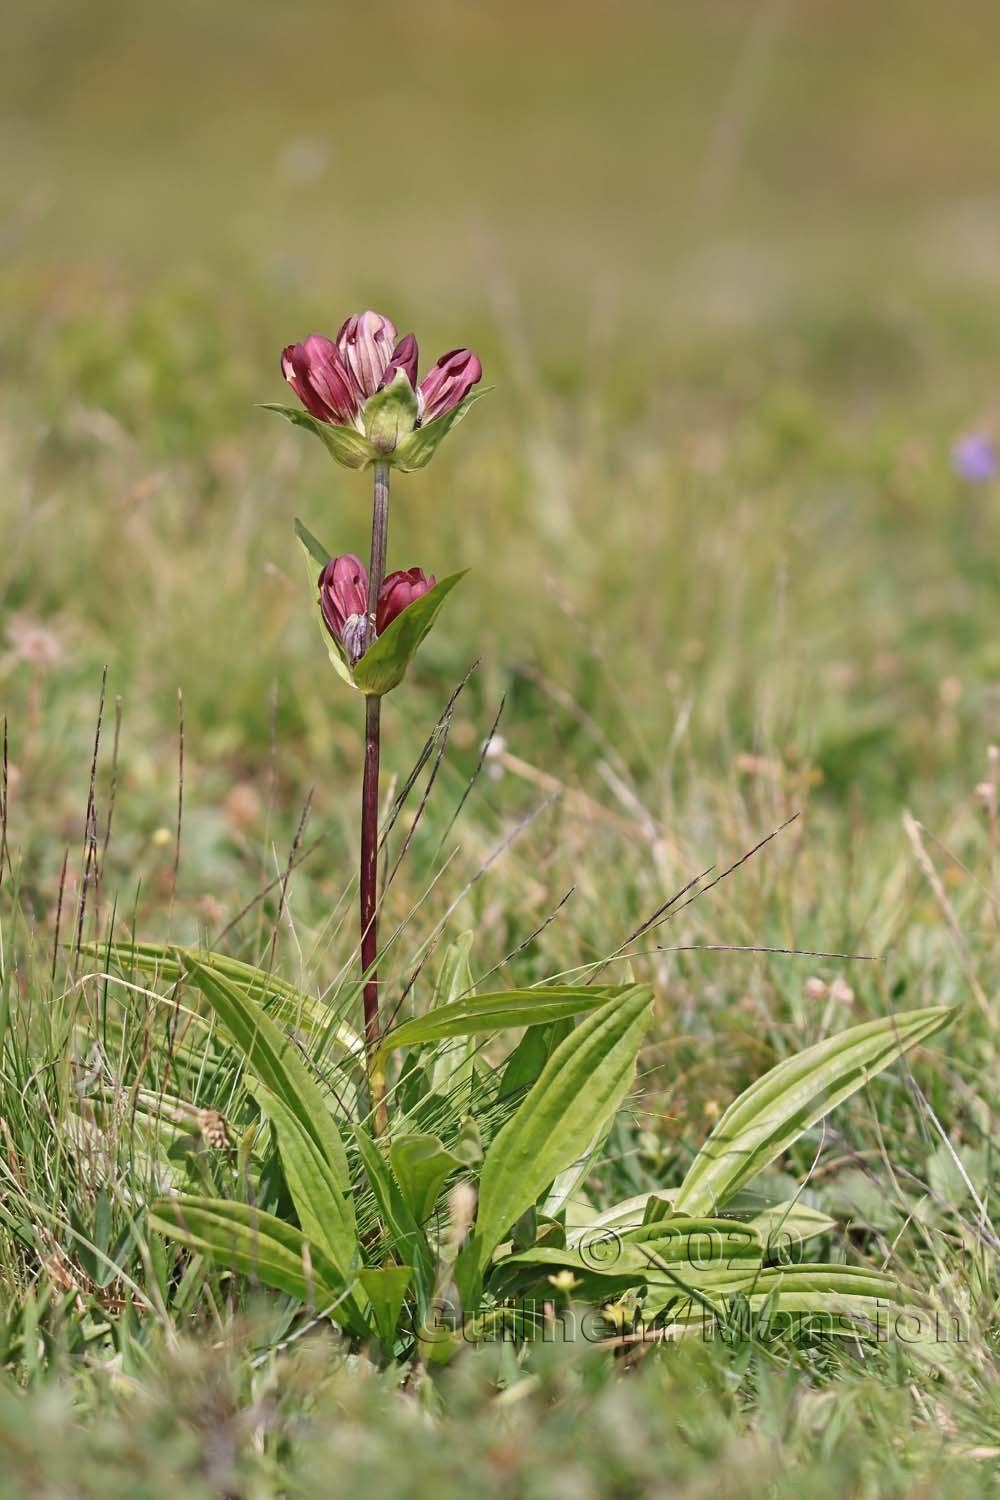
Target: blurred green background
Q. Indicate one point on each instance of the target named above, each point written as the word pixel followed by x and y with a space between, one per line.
pixel 677 156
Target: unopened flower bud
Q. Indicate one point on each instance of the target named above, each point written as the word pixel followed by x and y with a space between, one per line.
pixel 365 343
pixel 399 590
pixel 317 375
pixel 448 383
pixel 404 357
pixel 343 598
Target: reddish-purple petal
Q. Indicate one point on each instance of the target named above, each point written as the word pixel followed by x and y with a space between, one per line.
pixel 317 376
pixel 398 591
pixel 404 357
pixel 448 383
pixel 365 343
pixel 343 592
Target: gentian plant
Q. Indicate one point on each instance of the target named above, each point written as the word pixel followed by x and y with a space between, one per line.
pixel 363 399
pixel 412 1188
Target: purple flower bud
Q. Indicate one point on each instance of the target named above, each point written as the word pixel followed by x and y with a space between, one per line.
pixel 343 598
pixel 450 381
pixel 399 590
pixel 404 357
pixel 974 458
pixel 316 374
pixel 365 343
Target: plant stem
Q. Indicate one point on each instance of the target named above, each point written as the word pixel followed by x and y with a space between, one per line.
pixel 380 540
pixel 369 807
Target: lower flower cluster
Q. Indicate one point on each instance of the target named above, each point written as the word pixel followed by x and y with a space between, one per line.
pixel 343 598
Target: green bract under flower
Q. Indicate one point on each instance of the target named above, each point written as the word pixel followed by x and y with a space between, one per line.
pixel 354 450
pixel 384 665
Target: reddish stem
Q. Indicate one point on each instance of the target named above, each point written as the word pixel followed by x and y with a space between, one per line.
pixel 369 874
pixel 369 808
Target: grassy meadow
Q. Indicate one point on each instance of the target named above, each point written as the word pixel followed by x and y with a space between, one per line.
pixel 733 274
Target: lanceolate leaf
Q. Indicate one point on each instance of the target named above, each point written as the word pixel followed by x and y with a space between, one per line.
pixel 582 1083
pixel 486 1013
pixel 690 1245
pixel 420 1164
pixel 819 1286
pixel 529 1057
pixel 387 1288
pixel 454 979
pixel 282 1000
pixel 400 1221
pixel 569 1179
pixel 257 1244
pixel 384 664
pixel 452 1067
pixel 765 1120
pixel 326 1215
pixel 829 1300
pixel 630 1213
pixel 276 1061
pixel 790 1224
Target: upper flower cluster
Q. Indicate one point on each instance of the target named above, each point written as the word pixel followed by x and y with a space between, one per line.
pixel 365 381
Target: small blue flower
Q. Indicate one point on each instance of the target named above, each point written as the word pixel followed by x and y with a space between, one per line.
pixel 974 458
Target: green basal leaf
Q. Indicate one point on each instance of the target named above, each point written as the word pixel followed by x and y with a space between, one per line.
pixel 400 1221
pixel 569 1179
pixel 455 974
pixel 811 1287
pixel 630 1213
pixel 344 444
pixel 582 1083
pixel 480 1014
pixel 773 1112
pixel 277 1062
pixel 830 1301
pixel 452 1067
pixel 525 1063
pixel 420 1164
pixel 391 414
pixel 282 1000
pixel 384 664
pixel 790 1224
pixel 245 1239
pixel 468 1148
pixel 316 556
pixel 439 1344
pixel 386 1287
pixel 324 1212
pixel 813 1301
pixel 419 448
pixel 690 1245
